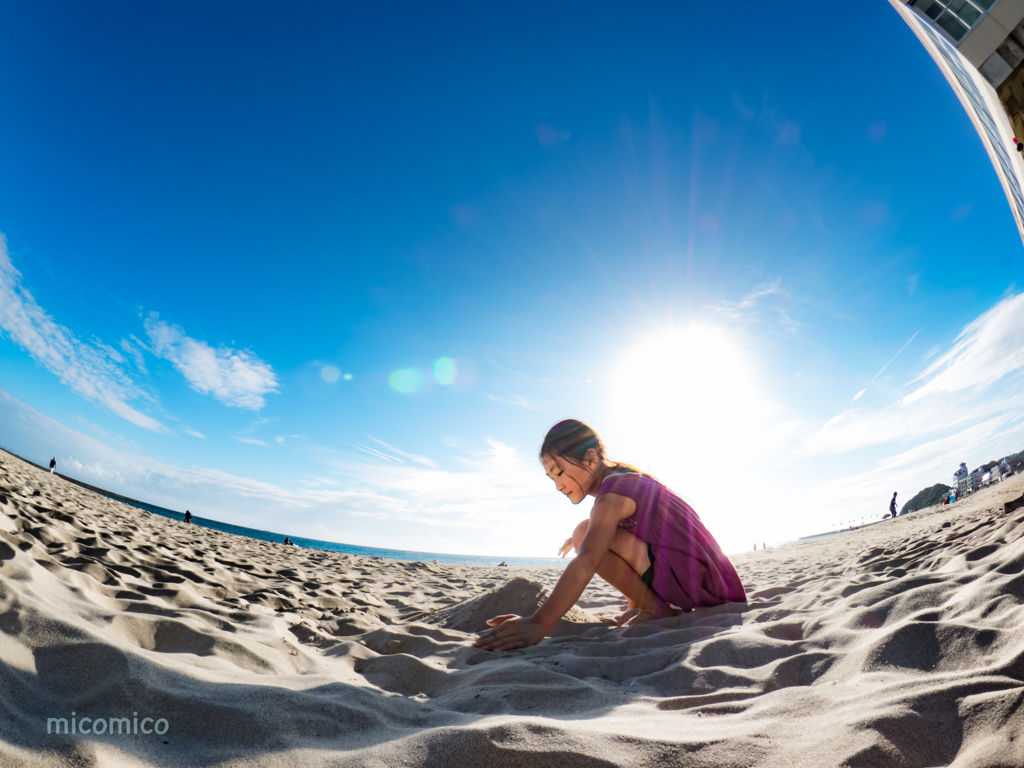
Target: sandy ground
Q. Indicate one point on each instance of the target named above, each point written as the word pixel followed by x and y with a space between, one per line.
pixel 900 644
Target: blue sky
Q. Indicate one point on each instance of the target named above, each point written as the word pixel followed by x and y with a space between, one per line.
pixel 231 232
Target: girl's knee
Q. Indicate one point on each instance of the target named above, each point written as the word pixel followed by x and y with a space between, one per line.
pixel 630 548
pixel 580 532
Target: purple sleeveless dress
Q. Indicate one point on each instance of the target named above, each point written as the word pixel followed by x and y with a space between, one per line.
pixel 690 568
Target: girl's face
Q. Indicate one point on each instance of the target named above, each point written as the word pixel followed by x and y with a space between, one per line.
pixel 571 479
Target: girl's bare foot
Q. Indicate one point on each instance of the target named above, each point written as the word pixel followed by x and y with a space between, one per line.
pixel 627 615
pixel 639 616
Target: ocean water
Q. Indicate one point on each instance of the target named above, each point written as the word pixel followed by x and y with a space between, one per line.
pixel 348 549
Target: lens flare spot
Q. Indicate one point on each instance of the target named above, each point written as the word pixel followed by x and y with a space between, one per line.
pixel 445 370
pixel 330 374
pixel 406 380
pixel 347 377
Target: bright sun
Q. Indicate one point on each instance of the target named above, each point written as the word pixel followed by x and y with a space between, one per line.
pixel 688 404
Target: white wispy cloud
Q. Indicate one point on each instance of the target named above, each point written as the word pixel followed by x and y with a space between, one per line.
pixel 418 459
pixel 494 480
pixel 517 400
pixel 134 348
pixel 375 452
pixel 93 427
pixel 985 351
pixel 861 427
pixel 746 112
pixel 736 310
pixel 236 377
pixel 251 441
pixel 193 432
pixel 747 310
pixel 882 369
pixel 92 370
pixel 787 131
pixel 976 379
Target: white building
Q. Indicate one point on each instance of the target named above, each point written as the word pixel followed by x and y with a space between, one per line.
pixel 960 480
pixel 979 47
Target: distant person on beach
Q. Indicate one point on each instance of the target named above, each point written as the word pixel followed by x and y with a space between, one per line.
pixel 503 564
pixel 287 540
pixel 53 464
pixel 188 517
pixel 892 505
pixel 640 537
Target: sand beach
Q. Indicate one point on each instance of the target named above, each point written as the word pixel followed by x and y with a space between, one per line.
pixel 161 644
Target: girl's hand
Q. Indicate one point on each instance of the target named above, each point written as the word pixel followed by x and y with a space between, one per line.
pixel 510 632
pixel 566 548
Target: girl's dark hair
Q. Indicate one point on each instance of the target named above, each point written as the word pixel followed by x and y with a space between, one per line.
pixel 571 439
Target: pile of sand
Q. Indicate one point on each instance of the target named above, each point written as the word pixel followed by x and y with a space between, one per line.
pixel 897 645
pixel 520 596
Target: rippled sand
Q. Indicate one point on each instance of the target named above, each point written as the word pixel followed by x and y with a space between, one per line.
pixel 901 644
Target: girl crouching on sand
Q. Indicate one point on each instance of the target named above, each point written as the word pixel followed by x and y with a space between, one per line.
pixel 640 537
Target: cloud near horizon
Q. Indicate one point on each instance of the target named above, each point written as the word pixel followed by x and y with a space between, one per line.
pixel 235 377
pixel 865 493
pixel 93 371
pixel 494 489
